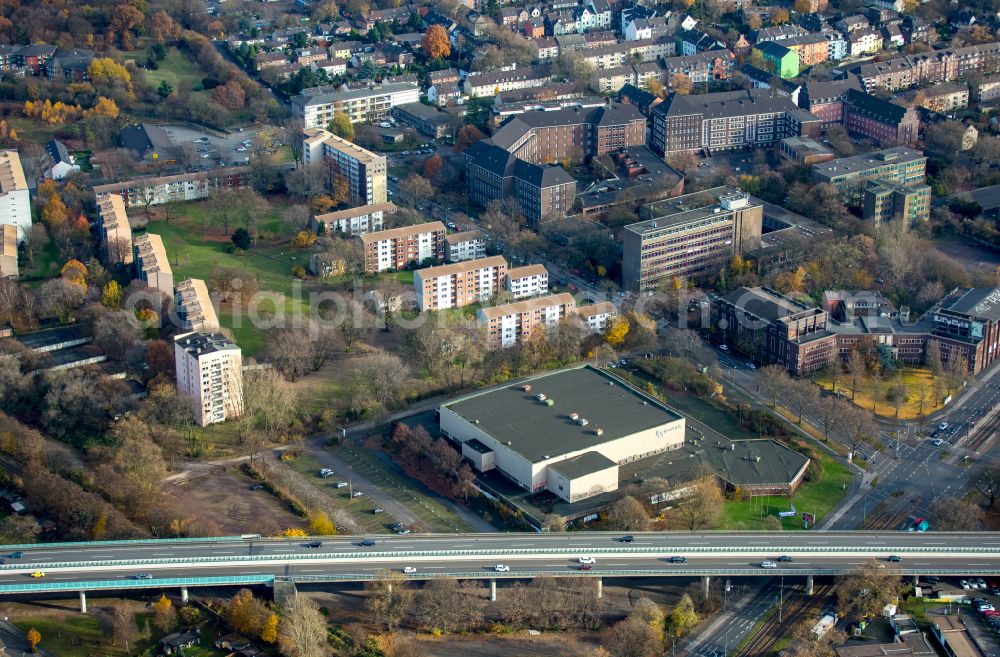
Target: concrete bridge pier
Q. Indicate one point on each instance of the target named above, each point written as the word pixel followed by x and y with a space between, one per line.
pixel 809 584
pixel 600 588
pixel 706 582
pixel 284 591
pixel 184 595
pixel 493 590
pixel 916 580
pixel 83 602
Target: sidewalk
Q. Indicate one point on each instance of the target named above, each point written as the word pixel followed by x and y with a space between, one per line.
pixel 848 504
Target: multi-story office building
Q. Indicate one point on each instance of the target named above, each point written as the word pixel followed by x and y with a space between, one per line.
pixel 527 281
pixel 8 251
pixel 194 308
pixel 727 120
pixel 459 284
pixel 467 245
pixel 597 316
pixel 210 374
pixel 115 231
pixel 541 191
pixel 364 171
pixel 354 221
pixel 826 99
pixel 886 201
pixel 686 239
pixel 180 187
pixel 317 106
pixel 899 165
pixel 398 248
pixel 15 200
pixel 511 323
pixel 151 264
pixel 967 326
pixel 888 124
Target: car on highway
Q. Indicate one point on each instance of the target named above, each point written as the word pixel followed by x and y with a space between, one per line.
pixel 38 573
pixel 943 426
pixel 15 555
pixel 678 559
pixel 590 560
pixel 626 539
pixel 142 576
pixel 314 544
pixel 326 472
pixel 368 542
pixel 751 366
pixel 894 559
pixel 768 564
pixel 501 568
pixel 257 487
pixel 409 570
pixel 785 559
pixel 586 566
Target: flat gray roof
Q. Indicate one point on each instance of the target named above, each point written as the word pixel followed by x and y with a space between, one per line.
pixel 582 465
pixel 537 431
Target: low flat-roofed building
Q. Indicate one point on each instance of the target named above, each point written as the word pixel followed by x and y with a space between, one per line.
pixel 804 150
pixel 8 251
pixel 467 245
pixel 905 645
pixel 151 264
pixel 354 221
pixel 511 323
pixel 597 316
pixel 527 281
pixel 194 308
pixel 953 635
pixel 566 431
pixel 115 230
pixel 427 119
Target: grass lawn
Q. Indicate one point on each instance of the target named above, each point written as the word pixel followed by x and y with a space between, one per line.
pixel 913 379
pixel 176 68
pixel 77 635
pixel 33 130
pixel 46 263
pixel 436 515
pixel 817 498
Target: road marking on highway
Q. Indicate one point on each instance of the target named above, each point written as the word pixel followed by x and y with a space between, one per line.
pixel 249 572
pixel 218 552
pixel 162 554
pixel 312 570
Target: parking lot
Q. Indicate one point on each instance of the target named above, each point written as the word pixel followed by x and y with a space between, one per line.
pixel 220 149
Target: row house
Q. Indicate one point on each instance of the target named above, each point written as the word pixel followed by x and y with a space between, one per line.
pixel 987 89
pixel 194 186
pixel 944 98
pixel 490 84
pixel 547 49
pixel 836 45
pixel 645 28
pixel 267 60
pixel 399 248
pixel 695 41
pixel 777 33
pixel 611 80
pixel 929 68
pixel 851 23
pixel 345 49
pixel 888 124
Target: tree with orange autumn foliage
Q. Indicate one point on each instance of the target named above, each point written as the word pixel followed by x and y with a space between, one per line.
pixel 105 107
pixel 230 95
pixel 436 43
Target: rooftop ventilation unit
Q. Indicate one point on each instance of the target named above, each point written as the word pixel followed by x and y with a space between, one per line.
pixel 583 422
pixel 540 396
pixel 574 416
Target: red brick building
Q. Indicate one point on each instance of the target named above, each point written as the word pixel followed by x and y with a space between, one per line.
pixel 826 99
pixel 886 123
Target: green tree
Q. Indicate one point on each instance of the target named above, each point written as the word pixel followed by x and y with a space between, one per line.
pixel 682 618
pixel 241 238
pixel 111 295
pixel 164 90
pixel 341 126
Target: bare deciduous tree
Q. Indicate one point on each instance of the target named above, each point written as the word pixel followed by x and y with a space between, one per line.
pixel 389 597
pixel 302 632
pixel 702 507
pixel 628 514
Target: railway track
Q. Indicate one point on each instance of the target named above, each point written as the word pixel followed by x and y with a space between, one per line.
pixel 763 639
pixel 982 434
pixel 891 513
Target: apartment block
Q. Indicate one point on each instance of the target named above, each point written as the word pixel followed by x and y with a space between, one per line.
pixel 490 84
pixel 701 67
pixel 778 60
pixel 210 374
pixel 459 284
pixel 151 264
pixel 727 120
pixel 987 90
pixel 929 67
pixel 943 98
pixel 826 99
pixel 181 187
pixel 115 231
pixel 8 251
pixel 511 323
pixel 15 200
pixel 541 191
pixel 317 106
pixel 467 245
pixel 354 221
pixel 888 124
pixel 899 165
pixel 398 248
pixel 811 48
pixel 886 201
pixel 527 281
pixel 364 171
pixel 193 307
pixel 688 239
pixel 597 316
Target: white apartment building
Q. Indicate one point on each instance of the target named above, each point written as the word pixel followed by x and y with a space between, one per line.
pixel 194 308
pixel 354 221
pixel 459 284
pixel 527 281
pixel 180 187
pixel 467 245
pixel 15 201
pixel 316 107
pixel 597 316
pixel 151 264
pixel 114 229
pixel 365 171
pixel 210 373
pixel 510 323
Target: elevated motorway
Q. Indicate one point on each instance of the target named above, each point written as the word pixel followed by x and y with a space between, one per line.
pixel 253 560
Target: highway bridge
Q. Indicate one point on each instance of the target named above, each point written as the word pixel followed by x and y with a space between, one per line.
pixel 251 560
